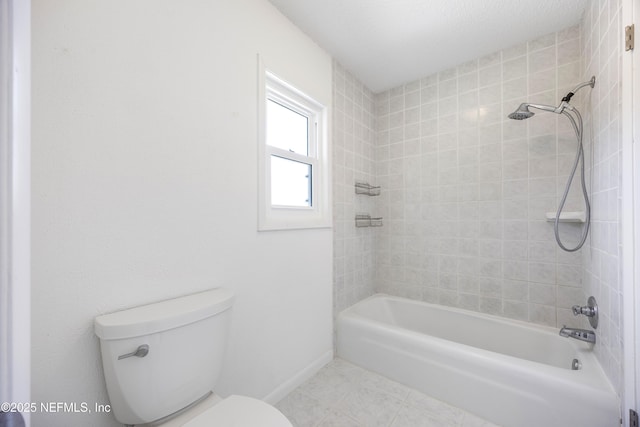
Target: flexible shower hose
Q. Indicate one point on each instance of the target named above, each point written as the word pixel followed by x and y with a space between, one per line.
pixel 579 157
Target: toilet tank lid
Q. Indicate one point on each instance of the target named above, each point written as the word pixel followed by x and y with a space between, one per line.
pixel 161 316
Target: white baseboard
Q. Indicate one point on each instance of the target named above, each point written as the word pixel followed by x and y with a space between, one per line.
pixel 291 384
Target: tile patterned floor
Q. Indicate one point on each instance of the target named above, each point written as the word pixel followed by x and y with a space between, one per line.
pixel 345 395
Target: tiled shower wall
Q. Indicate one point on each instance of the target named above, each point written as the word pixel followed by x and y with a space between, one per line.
pixel 353 160
pixel 466 190
pixel 602 55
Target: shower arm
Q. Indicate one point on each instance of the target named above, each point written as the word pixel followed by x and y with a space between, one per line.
pixel 564 104
pixel 568 96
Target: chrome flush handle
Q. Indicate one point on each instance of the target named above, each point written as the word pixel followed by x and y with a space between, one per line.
pixel 141 351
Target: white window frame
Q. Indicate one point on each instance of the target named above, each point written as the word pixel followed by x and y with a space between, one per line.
pixel 273 217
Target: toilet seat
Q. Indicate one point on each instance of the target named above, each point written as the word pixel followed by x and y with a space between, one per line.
pixel 240 411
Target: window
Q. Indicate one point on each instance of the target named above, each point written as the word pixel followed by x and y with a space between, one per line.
pixel 290 133
pixel 293 181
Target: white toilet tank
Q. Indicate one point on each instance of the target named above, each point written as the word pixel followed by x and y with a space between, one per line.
pixel 160 358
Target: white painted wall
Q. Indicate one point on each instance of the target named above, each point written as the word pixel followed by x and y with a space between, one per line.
pixel 145 187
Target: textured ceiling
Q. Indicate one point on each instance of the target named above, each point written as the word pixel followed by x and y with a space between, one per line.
pixel 386 43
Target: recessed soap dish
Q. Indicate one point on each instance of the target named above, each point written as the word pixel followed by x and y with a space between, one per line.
pixel 577 216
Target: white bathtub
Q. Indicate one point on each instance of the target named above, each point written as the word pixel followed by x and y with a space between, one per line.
pixel 511 373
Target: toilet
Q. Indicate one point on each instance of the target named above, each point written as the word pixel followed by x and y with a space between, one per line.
pixel 161 362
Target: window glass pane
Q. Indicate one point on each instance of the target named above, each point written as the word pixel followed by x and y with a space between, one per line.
pixel 290 182
pixel 286 129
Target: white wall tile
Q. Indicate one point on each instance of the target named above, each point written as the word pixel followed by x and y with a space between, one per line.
pixel 490 75
pixel 485 182
pixel 601 56
pixel 360 135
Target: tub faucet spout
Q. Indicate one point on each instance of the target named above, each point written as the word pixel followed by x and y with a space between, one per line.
pixel 579 334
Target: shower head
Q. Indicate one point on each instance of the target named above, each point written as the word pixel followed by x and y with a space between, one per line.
pixel 522 113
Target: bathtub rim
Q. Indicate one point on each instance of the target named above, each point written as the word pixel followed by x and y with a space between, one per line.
pixel 478 314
